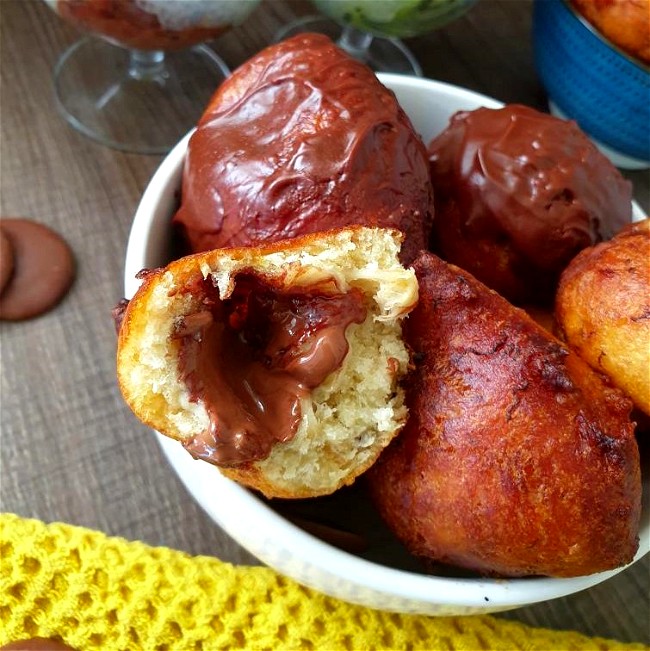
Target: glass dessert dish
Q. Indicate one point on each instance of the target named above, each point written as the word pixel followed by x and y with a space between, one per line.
pixel 370 30
pixel 144 82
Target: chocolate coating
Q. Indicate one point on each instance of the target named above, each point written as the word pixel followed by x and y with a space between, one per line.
pixel 518 194
pixel 302 138
pixel 43 273
pixel 6 260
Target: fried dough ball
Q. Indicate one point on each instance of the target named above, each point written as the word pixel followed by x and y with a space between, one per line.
pixel 303 138
pixel 603 309
pixel 280 364
pixel 517 458
pixel 517 194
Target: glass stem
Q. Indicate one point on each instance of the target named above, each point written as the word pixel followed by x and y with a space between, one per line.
pixel 147 65
pixel 355 42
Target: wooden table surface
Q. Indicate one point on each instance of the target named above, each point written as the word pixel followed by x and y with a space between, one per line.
pixel 70 449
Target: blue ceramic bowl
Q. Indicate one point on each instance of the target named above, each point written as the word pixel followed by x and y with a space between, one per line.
pixel 591 81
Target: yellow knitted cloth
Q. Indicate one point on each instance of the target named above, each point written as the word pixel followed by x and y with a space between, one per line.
pixel 95 592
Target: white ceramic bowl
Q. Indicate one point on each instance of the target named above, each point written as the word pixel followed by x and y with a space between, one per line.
pixel 388 581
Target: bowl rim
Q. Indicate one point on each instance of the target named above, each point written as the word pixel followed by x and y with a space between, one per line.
pixel 424 593
pixel 484 593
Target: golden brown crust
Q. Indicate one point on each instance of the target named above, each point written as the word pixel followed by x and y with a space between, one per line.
pixel 517 458
pixel 131 324
pixel 603 309
pixel 250 475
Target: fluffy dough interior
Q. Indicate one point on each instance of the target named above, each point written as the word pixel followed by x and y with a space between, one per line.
pixel 349 418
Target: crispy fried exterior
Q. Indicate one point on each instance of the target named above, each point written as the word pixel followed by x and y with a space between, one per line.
pixel 603 309
pixel 303 138
pixel 517 458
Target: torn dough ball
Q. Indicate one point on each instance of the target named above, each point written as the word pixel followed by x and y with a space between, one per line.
pixel 279 364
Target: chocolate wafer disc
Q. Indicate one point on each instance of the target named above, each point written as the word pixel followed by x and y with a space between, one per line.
pixel 43 269
pixel 36 644
pixel 6 260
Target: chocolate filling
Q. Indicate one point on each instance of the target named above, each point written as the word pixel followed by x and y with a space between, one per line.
pixel 253 357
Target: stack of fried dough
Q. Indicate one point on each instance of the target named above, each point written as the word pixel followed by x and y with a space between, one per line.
pixel 487 442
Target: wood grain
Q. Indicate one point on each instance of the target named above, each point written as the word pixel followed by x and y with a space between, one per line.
pixel 70 449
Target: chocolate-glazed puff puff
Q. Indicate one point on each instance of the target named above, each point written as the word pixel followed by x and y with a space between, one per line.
pixel 518 194
pixel 517 458
pixel 303 138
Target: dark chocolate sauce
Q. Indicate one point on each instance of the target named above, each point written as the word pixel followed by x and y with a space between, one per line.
pixel 253 357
